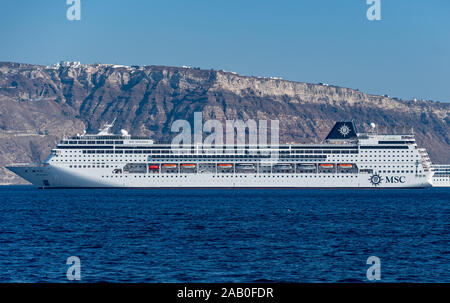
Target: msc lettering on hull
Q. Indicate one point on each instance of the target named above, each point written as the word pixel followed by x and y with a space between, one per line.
pixel 395 179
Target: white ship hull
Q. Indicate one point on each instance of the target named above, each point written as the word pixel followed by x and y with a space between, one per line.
pixel 345 160
pixel 58 177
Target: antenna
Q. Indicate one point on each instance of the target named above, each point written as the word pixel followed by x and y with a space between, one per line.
pixel 106 127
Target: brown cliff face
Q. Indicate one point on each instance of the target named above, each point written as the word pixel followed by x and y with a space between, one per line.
pixel 39 104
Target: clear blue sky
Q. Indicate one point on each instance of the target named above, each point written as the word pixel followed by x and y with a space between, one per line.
pixel 406 54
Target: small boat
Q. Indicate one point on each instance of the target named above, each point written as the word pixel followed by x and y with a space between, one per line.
pixel 326 165
pixel 345 165
pixel 222 165
pixel 153 167
pixel 245 166
pixel 188 165
pixel 169 165
pixel 307 166
pixel 282 166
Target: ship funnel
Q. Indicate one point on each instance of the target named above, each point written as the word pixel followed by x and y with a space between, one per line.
pixel 342 130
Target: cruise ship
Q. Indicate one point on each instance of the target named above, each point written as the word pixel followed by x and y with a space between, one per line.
pixel 441 175
pixel 345 159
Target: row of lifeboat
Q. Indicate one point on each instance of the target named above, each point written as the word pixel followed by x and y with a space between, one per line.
pixel 192 165
pixel 170 165
pixel 250 166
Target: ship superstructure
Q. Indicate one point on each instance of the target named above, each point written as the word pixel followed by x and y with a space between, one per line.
pixel 345 159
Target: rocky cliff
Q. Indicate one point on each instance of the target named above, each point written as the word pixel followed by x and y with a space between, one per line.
pixel 39 104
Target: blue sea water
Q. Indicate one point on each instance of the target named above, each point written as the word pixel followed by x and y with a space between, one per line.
pixel 242 235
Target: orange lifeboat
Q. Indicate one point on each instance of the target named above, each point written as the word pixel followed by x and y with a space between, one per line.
pixel 169 165
pixel 188 165
pixel 222 165
pixel 326 165
pixel 153 167
pixel 345 165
